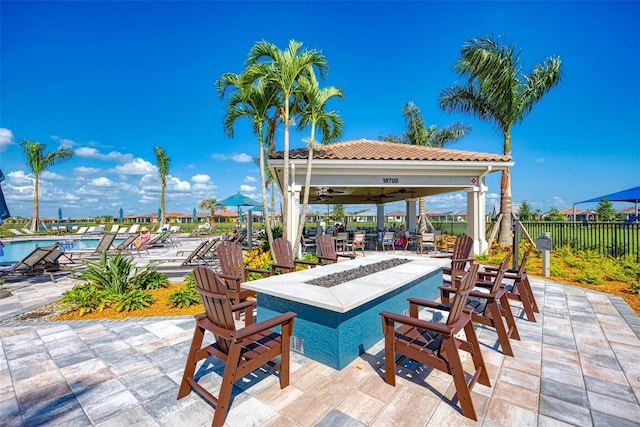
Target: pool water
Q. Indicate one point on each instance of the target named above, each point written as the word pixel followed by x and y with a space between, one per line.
pixel 16 250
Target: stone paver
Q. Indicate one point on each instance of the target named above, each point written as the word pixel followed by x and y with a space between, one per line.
pixel 579 364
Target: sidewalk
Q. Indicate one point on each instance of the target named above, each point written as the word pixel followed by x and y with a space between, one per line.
pixel 579 364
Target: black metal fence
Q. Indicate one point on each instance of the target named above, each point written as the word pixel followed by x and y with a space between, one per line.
pixel 613 239
pixel 608 238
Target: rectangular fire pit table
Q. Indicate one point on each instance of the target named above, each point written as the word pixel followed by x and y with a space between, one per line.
pixel 336 324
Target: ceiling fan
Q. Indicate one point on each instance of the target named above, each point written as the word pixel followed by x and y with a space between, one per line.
pixel 333 191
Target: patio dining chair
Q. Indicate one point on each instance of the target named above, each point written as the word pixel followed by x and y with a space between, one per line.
pixel 357 243
pixel 490 305
pixel 438 344
pixel 242 351
pixel 388 241
pixel 520 288
pixel 233 271
pixel 285 261
pixel 328 253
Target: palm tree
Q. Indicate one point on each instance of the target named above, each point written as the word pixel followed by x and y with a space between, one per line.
pixel 252 99
pixel 39 161
pixel 213 206
pixel 498 92
pixel 418 134
pixel 162 163
pixel 313 103
pixel 283 69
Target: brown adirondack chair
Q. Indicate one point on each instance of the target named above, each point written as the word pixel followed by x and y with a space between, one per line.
pixel 460 258
pixel 233 271
pixel 437 344
pixel 284 257
pixel 490 308
pixel 328 253
pixel 241 350
pixel 520 290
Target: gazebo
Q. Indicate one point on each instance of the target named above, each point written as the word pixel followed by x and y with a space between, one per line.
pixel 365 171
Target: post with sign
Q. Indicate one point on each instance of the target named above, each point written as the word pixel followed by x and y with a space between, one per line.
pixel 544 243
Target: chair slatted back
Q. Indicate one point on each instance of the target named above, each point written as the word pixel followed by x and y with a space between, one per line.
pixel 327 248
pixel 523 264
pixel 504 266
pixel 462 292
pixel 217 305
pixel 284 253
pixel 124 245
pixel 231 259
pixel 195 253
pixel 461 252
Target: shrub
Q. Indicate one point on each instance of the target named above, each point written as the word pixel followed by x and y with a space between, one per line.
pixel 184 297
pixel 189 280
pixel 84 298
pixel 113 274
pixel 133 299
pixel 152 280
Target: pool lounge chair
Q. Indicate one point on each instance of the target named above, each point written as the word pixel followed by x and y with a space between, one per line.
pixel 104 244
pixel 242 351
pixel 328 253
pixel 40 261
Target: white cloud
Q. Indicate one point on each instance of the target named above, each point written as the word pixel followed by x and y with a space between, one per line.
pixel 6 138
pixel 93 153
pixel 84 170
pixel 250 179
pixel 101 182
pixel 240 158
pixel 52 175
pixel 247 188
pixel 201 179
pixel 176 185
pixel 136 167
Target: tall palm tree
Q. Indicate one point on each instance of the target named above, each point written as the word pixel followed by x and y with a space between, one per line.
pixel 283 69
pixel 39 161
pixel 497 91
pixel 162 163
pixel 252 99
pixel 418 134
pixel 213 206
pixel 313 102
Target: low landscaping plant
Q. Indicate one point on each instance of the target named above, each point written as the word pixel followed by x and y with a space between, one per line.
pixel 113 281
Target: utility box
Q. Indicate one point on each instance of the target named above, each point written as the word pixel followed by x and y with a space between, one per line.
pixel 544 242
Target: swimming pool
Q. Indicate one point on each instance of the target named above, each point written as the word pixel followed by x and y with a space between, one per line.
pixel 18 249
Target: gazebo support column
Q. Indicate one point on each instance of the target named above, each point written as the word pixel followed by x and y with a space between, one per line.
pixel 476 222
pixel 380 219
pixel 412 224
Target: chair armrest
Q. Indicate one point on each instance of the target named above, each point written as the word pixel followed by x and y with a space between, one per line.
pixel 418 323
pixel 266 273
pixel 228 276
pixel 243 305
pixel 429 304
pixel 482 295
pixel 302 262
pixel 350 256
pixel 263 326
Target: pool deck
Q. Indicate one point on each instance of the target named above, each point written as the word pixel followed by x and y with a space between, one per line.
pixel 579 364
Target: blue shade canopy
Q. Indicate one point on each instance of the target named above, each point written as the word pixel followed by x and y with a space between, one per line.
pixel 121 214
pixel 4 209
pixel 238 200
pixel 631 195
pixel 59 214
pixel 195 215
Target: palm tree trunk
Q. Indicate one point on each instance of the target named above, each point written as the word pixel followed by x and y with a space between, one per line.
pixel 286 184
pixel 422 222
pixel 36 211
pixel 504 239
pixel 263 194
pixel 305 199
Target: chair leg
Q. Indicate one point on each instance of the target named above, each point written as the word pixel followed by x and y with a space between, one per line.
pixel 190 365
pixel 389 352
pixel 498 323
pixel 228 378
pixel 476 354
pixel 505 309
pixel 529 292
pixel 459 379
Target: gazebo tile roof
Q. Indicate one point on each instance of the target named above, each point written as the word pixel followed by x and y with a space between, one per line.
pixel 365 149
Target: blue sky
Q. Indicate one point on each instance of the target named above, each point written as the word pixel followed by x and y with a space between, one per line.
pixel 113 79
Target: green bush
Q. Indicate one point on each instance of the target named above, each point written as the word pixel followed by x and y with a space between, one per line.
pixel 133 299
pixel 153 280
pixel 85 298
pixel 184 297
pixel 113 274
